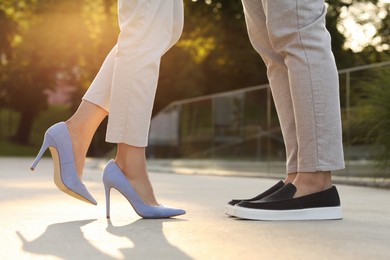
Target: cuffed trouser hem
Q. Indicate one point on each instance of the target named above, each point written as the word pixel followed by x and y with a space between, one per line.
pixel 323 168
pixel 95 102
pixel 118 139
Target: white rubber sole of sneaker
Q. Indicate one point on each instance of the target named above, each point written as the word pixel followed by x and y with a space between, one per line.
pixel 229 210
pixel 327 213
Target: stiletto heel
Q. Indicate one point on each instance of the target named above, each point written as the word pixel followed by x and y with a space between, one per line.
pixel 107 189
pixel 58 140
pixel 114 178
pixel 45 145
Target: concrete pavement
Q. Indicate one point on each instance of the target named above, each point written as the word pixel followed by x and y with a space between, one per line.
pixel 40 222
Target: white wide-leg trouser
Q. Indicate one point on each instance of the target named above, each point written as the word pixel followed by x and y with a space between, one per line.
pixel 126 84
pixel 291 37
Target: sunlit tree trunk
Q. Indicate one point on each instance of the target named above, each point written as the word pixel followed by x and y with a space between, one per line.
pixel 24 127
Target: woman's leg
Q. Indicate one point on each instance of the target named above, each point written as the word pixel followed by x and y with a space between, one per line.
pixel 148 30
pixel 82 126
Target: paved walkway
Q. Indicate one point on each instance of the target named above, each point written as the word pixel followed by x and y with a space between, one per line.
pixel 40 222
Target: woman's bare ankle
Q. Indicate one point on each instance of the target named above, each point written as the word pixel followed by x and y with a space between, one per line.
pixel 131 160
pixel 79 148
pixel 82 126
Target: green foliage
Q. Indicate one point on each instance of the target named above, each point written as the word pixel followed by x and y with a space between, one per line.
pixel 8 123
pixel 8 127
pixel 43 40
pixel 8 148
pixel 371 116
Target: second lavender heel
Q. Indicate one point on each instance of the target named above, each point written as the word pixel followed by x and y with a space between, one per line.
pixel 114 178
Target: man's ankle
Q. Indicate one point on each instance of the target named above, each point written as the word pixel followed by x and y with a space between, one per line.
pixel 290 177
pixel 308 183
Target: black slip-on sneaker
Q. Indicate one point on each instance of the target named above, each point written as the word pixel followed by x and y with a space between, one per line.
pixel 230 205
pixel 282 206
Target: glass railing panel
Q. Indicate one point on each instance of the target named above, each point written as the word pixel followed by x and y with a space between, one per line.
pixel 239 131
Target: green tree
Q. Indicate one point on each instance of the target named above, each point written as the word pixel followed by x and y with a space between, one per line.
pixel 48 39
pixel 16 68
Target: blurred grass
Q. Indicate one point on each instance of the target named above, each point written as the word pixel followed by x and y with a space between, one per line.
pixel 8 124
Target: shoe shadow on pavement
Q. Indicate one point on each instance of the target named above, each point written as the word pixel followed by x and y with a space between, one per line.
pixel 148 239
pixel 67 241
pixel 64 240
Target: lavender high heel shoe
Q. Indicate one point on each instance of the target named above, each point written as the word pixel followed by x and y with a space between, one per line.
pixel 114 178
pixel 58 140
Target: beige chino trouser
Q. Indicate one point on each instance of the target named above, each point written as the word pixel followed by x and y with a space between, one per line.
pixel 291 37
pixel 126 84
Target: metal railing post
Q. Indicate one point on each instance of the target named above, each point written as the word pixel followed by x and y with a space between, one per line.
pixel 348 118
pixel 269 126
